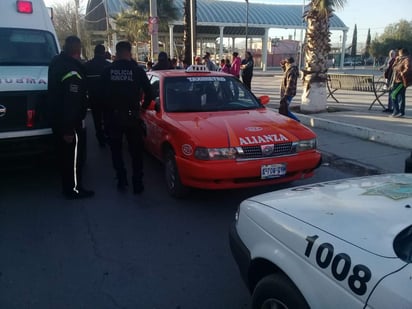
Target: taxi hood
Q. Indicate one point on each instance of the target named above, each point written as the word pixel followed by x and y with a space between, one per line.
pixel 23 78
pixel 241 128
pixel 367 212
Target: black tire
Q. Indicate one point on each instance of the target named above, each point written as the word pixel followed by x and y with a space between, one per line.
pixel 277 291
pixel 173 182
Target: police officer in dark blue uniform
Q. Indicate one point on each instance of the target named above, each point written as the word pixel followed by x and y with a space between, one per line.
pixel 67 106
pixel 94 69
pixel 124 84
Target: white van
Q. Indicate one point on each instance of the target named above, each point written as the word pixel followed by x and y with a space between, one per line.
pixel 28 42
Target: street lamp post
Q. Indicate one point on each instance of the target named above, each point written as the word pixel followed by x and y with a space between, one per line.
pixel 193 45
pixel 301 37
pixel 247 23
pixel 76 6
pixel 154 38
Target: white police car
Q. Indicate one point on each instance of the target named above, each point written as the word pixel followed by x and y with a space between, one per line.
pixel 338 244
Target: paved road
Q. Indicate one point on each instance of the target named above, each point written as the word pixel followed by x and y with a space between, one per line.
pixel 118 250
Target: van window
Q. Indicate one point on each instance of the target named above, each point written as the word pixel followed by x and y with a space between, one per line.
pixel 26 47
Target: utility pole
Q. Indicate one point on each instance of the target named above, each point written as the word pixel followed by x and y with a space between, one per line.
pixel 153 23
pixel 193 29
pixel 76 5
pixel 247 23
pixel 301 38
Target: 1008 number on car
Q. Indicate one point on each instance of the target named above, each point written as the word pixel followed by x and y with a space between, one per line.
pixel 340 265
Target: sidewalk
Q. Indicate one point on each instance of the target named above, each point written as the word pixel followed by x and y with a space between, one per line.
pixel 351 136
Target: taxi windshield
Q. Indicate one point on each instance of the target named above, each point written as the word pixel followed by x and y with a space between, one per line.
pixel 207 94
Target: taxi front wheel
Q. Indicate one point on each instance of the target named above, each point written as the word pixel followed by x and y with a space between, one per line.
pixel 174 184
pixel 277 291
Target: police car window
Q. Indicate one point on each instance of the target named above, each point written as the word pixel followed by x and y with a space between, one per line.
pixel 402 245
pixel 207 94
pixel 26 47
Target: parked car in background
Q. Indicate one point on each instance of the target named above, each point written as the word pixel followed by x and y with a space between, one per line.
pixel 338 244
pixel 210 132
pixel 353 62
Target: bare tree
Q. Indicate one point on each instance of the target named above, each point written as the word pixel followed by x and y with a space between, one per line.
pixel 69 21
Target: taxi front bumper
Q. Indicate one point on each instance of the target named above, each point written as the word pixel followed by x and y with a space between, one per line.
pixel 231 174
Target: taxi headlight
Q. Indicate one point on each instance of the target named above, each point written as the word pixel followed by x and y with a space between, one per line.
pixel 202 153
pixel 304 145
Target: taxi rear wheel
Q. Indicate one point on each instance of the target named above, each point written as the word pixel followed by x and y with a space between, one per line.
pixel 276 291
pixel 174 185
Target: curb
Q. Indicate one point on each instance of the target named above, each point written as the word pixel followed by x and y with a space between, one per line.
pixel 373 135
pixel 345 164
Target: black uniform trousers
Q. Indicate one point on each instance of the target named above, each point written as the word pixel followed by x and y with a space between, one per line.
pixel 247 80
pixel 132 130
pixel 71 157
pixel 97 113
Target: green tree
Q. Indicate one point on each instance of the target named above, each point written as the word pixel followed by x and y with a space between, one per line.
pixel 394 36
pixel 366 54
pixel 354 42
pixel 316 50
pixel 133 22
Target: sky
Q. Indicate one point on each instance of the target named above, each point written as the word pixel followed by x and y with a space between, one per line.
pixel 366 14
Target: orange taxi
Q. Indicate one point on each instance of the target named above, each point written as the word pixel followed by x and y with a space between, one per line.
pixel 212 133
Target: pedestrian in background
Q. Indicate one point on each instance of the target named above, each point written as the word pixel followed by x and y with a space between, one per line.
pixel 225 66
pixel 401 80
pixel 246 66
pixel 288 86
pixel 94 69
pixel 388 77
pixel 235 67
pixel 209 63
pixel 198 60
pixel 163 62
pixel 67 100
pixel 124 84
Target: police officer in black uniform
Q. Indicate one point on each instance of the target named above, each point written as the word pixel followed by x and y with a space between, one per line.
pixel 94 69
pixel 124 84
pixel 67 106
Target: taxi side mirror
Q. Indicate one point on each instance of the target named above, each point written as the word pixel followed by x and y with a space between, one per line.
pixel 264 99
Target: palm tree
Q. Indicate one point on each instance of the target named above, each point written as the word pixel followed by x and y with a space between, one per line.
pixel 316 52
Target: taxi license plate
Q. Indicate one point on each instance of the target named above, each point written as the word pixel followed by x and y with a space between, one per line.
pixel 272 171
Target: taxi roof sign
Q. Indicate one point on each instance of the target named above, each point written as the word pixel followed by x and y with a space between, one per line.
pixel 197 68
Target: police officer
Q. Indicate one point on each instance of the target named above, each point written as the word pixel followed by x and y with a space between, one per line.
pixel 124 84
pixel 67 102
pixel 94 69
